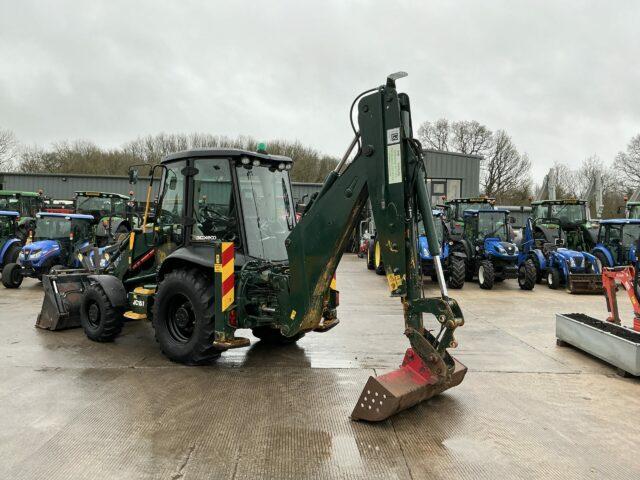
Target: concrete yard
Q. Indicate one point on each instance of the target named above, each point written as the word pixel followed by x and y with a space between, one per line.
pixel 72 409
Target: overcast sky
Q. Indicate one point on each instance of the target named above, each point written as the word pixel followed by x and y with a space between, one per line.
pixel 561 77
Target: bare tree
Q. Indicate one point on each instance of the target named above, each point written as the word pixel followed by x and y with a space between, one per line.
pixel 435 135
pixel 506 169
pixel 8 149
pixel 628 163
pixel 471 137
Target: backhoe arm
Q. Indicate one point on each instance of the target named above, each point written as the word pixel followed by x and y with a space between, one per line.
pixel 389 170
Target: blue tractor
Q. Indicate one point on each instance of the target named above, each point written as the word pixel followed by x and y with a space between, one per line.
pixel 491 254
pixel 10 243
pixel 59 239
pixel 547 234
pixel 617 242
pixel 453 262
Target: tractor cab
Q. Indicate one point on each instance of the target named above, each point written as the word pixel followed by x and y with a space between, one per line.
pixel 109 211
pixel 456 209
pixel 8 224
pixel 568 217
pixel 27 204
pixel 618 242
pixel 633 210
pixel 482 226
pixel 224 195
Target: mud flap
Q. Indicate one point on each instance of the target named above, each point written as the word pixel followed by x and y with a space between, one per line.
pixel 585 283
pixel 412 383
pixel 62 301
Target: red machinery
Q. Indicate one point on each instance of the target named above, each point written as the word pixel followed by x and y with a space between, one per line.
pixel 626 276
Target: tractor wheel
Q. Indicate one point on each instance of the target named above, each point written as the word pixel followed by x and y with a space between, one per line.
pixel 457 271
pixel 11 275
pixel 183 317
pixel 268 334
pixel 553 278
pixel 11 256
pixel 486 275
pixel 601 260
pixel 101 321
pixel 539 273
pixel 371 265
pixel 527 275
pixel 378 259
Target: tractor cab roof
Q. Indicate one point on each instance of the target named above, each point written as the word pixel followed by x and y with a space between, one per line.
pixel 473 213
pixel 8 213
pixel 17 193
pixel 621 221
pixel 437 212
pixel 67 216
pixel 225 152
pixel 101 195
pixel 566 201
pixel 472 200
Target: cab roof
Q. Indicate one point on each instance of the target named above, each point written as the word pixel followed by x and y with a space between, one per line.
pixel 620 221
pixel 71 216
pixel 472 200
pixel 85 193
pixel 8 213
pixel 224 152
pixel 566 201
pixel 469 213
pixel 13 193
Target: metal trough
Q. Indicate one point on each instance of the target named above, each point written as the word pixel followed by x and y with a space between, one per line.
pixel 617 345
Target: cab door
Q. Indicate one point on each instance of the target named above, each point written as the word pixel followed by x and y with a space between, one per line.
pixel 169 228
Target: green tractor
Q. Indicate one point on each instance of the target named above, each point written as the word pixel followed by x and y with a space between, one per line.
pixel 224 252
pixel 110 211
pixel 27 204
pixel 572 216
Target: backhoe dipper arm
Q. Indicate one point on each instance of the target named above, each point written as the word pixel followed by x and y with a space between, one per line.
pixel 389 170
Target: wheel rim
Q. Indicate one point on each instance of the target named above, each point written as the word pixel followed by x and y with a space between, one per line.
pixel 481 274
pixel 550 278
pixel 93 315
pixel 181 319
pixel 377 254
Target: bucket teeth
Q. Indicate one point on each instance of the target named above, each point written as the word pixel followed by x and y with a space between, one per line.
pixel 412 383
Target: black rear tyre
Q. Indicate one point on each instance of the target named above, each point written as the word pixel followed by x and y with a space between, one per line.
pixel 527 275
pixel 486 275
pixel 12 275
pixel 273 335
pixel 101 321
pixel 370 256
pixel 457 272
pixel 183 317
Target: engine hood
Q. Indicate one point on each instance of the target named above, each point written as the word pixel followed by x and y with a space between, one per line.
pixel 494 246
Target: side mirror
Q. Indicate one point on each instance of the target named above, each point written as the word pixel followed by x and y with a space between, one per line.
pixel 133 175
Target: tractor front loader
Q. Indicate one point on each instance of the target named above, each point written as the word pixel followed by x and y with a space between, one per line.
pixel 228 254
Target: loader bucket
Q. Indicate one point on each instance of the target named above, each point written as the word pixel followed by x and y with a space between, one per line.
pixel 412 383
pixel 62 299
pixel 585 283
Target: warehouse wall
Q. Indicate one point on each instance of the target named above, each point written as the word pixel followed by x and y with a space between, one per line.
pixel 444 165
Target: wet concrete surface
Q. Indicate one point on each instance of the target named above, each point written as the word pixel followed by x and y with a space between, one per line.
pixel 71 408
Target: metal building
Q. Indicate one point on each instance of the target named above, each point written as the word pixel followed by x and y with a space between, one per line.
pixel 450 174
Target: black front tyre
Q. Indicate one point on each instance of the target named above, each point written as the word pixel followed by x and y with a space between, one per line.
pixel 12 275
pixel 527 275
pixel 183 317
pixel 553 278
pixel 370 256
pixel 486 275
pixel 273 335
pixel 457 272
pixel 101 321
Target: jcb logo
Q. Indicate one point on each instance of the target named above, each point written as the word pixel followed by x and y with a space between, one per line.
pixel 138 303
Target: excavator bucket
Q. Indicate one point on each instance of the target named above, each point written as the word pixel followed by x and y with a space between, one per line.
pixel 62 300
pixel 412 383
pixel 585 283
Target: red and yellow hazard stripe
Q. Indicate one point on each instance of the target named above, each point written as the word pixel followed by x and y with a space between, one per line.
pixel 228 278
